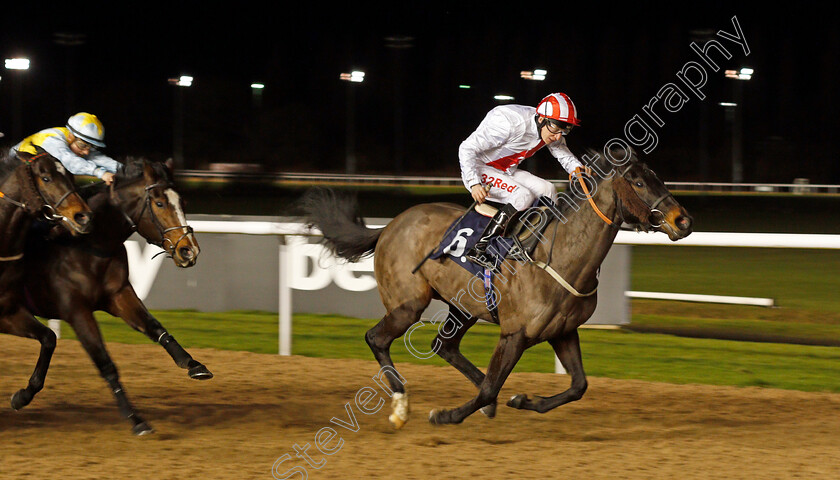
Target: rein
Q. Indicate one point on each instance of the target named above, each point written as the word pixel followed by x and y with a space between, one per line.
pixel 12 258
pixel 48 210
pixel 547 265
pixel 162 230
pixel 585 189
pixel 651 208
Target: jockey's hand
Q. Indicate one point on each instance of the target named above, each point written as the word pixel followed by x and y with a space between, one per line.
pixel 479 193
pixel 108 178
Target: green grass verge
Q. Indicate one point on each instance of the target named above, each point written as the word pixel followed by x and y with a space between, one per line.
pixel 803 283
pixel 617 354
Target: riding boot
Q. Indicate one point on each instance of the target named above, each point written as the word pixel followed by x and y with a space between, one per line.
pixel 497 226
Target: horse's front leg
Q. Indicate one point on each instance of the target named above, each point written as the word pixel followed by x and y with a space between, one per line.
pixel 87 331
pixel 567 349
pixel 126 305
pixel 22 324
pixel 508 351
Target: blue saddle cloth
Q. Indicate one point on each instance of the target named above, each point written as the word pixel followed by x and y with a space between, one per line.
pixel 464 235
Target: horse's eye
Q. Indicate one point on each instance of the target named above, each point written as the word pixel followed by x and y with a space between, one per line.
pixel 639 184
pixel 159 204
pixel 46 179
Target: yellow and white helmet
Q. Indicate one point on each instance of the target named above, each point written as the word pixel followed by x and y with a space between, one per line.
pixel 88 128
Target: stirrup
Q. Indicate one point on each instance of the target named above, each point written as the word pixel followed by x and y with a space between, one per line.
pixel 481 259
pixel 519 253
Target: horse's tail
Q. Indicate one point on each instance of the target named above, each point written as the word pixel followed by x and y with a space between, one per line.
pixel 345 233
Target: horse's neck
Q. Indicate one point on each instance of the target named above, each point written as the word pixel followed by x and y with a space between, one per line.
pixel 14 221
pixel 111 228
pixel 588 234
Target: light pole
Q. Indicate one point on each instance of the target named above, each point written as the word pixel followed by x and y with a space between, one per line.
pixel 398 45
pixel 739 76
pixel 184 81
pixel 533 76
pixel 17 66
pixel 536 74
pixel 256 95
pixel 70 40
pixel 356 76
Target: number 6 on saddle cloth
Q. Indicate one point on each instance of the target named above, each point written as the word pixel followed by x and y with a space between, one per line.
pixel 519 241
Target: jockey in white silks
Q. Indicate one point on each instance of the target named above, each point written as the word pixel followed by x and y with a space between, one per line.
pixel 508 135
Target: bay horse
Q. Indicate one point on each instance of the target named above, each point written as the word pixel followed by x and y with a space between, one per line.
pixel 142 199
pixel 32 186
pixel 542 300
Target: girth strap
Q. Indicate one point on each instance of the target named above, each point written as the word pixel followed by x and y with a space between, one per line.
pixel 568 286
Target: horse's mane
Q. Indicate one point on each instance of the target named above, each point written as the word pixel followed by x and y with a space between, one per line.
pixel 130 172
pixel 8 165
pixel 621 187
pixel 10 161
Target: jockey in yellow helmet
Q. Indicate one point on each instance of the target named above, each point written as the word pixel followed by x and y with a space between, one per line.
pixel 76 146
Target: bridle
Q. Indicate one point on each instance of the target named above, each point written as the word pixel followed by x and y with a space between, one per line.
pixel 47 209
pixel 147 205
pixel 653 211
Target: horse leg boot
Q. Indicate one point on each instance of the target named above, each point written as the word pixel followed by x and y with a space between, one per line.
pixel 508 351
pixel 126 305
pixel 497 226
pixel 567 349
pixel 447 344
pixel 22 324
pixel 379 339
pixel 195 369
pixel 87 331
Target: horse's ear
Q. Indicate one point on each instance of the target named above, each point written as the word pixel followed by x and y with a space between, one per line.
pixel 169 163
pixel 148 171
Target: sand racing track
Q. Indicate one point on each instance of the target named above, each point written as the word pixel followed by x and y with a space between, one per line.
pixel 239 424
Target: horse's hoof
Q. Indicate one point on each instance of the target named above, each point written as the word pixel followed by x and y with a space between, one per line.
pixel 517 401
pixel 396 421
pixel 489 410
pixel 200 372
pixel 441 417
pixel 20 399
pixel 142 428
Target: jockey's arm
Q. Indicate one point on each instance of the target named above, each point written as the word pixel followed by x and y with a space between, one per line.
pixel 492 133
pixel 104 163
pixel 77 165
pixel 567 159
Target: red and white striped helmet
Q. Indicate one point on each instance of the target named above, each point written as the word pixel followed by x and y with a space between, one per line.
pixel 559 107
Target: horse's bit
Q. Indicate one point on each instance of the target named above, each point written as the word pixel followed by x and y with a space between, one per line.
pixel 162 231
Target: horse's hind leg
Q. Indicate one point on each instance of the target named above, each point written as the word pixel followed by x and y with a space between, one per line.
pixel 87 331
pixel 126 305
pixel 379 339
pixel 567 349
pixel 23 324
pixel 447 344
pixel 508 351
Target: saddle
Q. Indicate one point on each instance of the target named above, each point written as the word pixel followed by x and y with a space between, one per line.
pixel 525 230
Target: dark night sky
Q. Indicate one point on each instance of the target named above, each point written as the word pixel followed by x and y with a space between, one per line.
pixel 610 60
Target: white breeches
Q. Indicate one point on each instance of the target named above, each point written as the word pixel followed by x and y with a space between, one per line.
pixel 519 188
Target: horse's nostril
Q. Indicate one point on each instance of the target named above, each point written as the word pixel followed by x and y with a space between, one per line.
pixel 186 253
pixel 82 218
pixel 683 222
